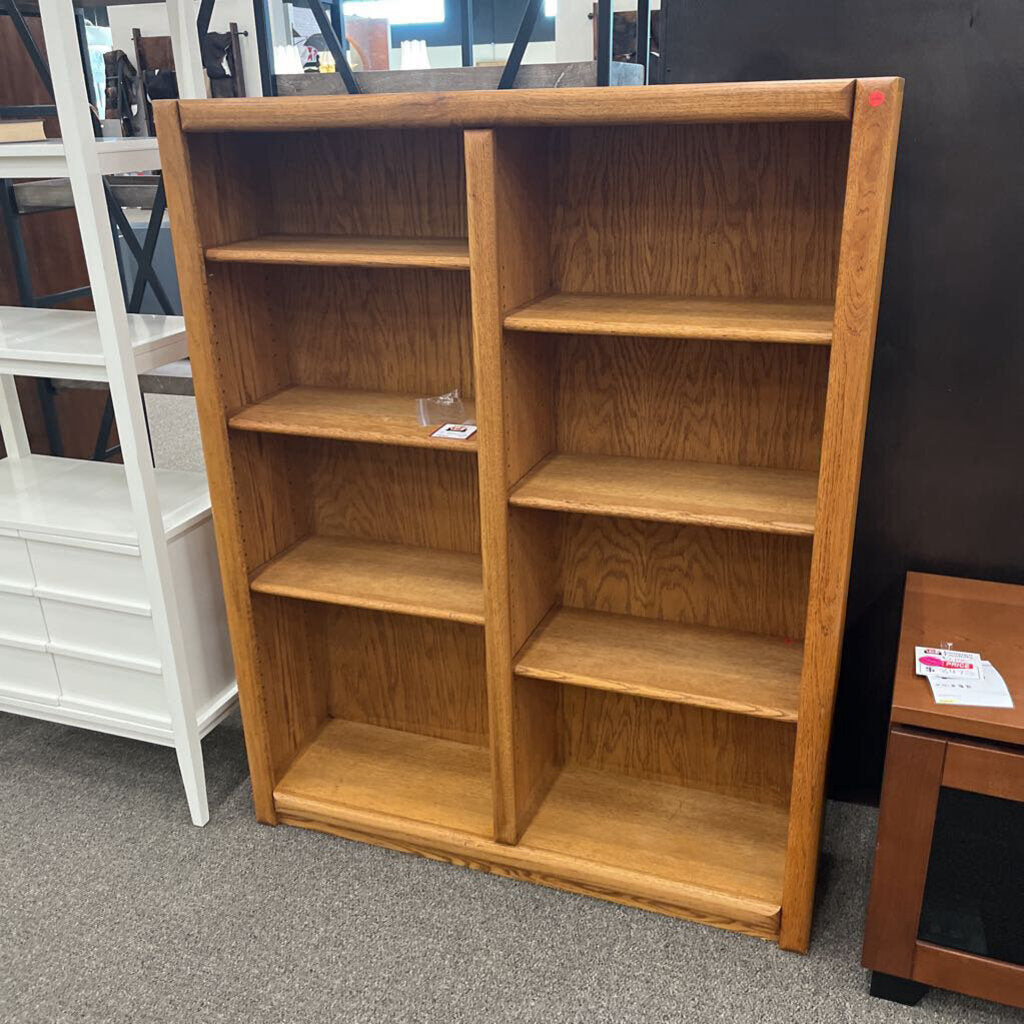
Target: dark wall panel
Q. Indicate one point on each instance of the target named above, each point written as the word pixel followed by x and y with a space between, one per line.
pixel 943 476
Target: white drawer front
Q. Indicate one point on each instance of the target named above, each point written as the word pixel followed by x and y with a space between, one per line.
pixel 28 675
pixel 97 686
pixel 21 618
pixel 120 634
pixel 68 569
pixel 15 565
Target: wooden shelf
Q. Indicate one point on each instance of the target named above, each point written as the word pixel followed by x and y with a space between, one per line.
pixel 344 251
pixel 712 668
pixel 375 416
pixel 720 843
pixel 665 316
pixel 385 577
pixel 389 772
pixel 732 497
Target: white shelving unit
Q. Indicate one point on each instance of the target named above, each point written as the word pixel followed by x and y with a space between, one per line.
pixel 111 610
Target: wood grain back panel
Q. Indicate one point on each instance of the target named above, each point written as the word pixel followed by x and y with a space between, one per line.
pixel 749 210
pixel 737 404
pixel 404 672
pixel 374 329
pixel 380 492
pixel 396 183
pixel 756 582
pixel 292 674
pixel 653 739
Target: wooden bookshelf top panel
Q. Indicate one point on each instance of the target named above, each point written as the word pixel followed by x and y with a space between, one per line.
pixel 703 494
pixel 397 578
pixel 822 100
pixel 665 316
pixel 342 251
pixel 373 416
pixel 714 668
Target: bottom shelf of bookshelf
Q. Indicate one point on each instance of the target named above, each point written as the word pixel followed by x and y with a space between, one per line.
pixel 728 847
pixel 684 852
pixel 351 766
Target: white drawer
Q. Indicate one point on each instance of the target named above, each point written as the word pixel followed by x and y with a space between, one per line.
pixel 120 689
pixel 15 566
pixel 121 634
pixel 28 674
pixel 107 572
pixel 21 617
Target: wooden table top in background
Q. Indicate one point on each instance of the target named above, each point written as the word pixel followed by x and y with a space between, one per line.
pixel 972 615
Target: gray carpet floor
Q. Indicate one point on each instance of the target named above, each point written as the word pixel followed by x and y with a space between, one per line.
pixel 113 908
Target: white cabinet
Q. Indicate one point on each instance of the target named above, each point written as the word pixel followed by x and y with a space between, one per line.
pixel 77 638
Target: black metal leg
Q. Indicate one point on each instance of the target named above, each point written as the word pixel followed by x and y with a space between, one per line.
pixel 83 49
pixel 38 61
pixel 335 45
pixel 643 37
pixel 16 241
pixel 264 45
pixel 515 57
pixel 149 433
pixel 44 389
pixel 466 26
pixel 604 41
pixel 156 218
pixel 101 451
pixel 896 990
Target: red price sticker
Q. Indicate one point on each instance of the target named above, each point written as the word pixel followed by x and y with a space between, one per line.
pixel 876 97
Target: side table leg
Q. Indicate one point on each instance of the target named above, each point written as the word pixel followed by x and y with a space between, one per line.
pixel 896 990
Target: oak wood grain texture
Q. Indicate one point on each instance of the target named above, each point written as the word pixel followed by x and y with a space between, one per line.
pixel 395 184
pixel 748 211
pixel 702 493
pixel 407 331
pixel 418 496
pixel 271 734
pixel 345 251
pixel 972 615
pixel 380 417
pixel 544 867
pixel 699 401
pixel 661 741
pixel 668 316
pixel 405 672
pixel 824 100
pixel 973 975
pixel 402 774
pixel 508 250
pixel 729 579
pixel 718 843
pixel 906 818
pixel 862 249
pixel 386 577
pixel 993 771
pixel 721 669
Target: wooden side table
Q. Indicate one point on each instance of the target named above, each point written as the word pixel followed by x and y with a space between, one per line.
pixel 934 749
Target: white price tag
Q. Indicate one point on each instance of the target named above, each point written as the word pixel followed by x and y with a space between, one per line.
pixel 456 431
pixel 937 661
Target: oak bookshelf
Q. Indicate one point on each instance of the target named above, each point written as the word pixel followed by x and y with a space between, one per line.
pixel 594 645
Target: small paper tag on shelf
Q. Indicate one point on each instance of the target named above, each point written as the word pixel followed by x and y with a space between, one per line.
pixel 987 692
pixel 937 661
pixel 456 431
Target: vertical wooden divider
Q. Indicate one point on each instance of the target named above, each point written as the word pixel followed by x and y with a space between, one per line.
pixel 509 265
pixel 876 119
